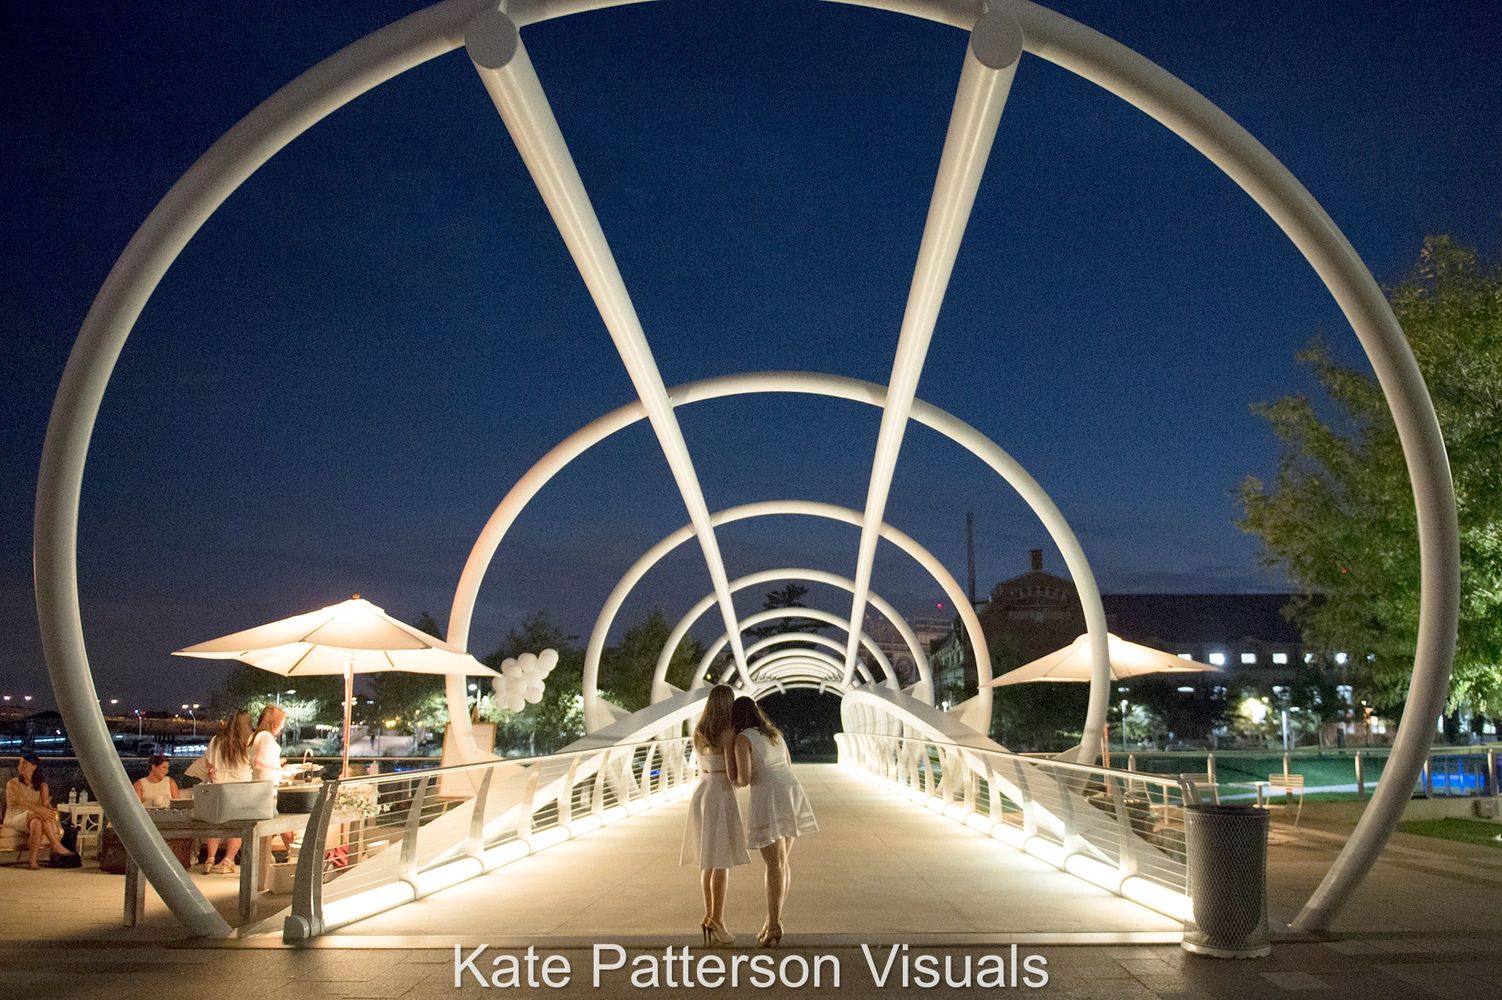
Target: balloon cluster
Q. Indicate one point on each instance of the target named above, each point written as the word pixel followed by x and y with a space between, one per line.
pixel 521 680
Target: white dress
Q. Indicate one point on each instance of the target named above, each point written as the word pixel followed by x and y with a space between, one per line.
pixel 779 808
pixel 224 772
pixel 713 837
pixel 265 758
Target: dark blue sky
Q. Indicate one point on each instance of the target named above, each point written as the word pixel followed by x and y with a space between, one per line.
pixel 356 357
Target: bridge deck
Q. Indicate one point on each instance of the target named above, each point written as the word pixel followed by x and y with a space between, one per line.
pixel 881 869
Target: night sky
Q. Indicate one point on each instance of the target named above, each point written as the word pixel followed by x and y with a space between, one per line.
pixel 378 333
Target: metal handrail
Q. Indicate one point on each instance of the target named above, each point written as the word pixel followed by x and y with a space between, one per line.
pixel 404 835
pixel 1120 830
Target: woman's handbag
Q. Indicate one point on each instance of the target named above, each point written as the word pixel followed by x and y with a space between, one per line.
pixel 234 801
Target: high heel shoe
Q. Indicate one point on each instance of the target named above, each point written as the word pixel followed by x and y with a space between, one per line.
pixel 715 935
pixel 772 938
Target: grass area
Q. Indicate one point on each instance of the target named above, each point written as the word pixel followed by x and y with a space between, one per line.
pixel 1465 831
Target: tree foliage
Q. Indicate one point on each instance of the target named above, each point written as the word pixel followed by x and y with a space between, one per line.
pixel 1340 514
pixel 627 669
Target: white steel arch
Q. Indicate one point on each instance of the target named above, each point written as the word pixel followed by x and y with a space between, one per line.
pixel 979 711
pixel 434 31
pixel 814 662
pixel 781 638
pixel 675 638
pixel 715 648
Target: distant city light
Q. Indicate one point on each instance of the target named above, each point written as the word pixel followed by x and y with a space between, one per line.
pixel 1280 658
pixel 1217 659
pixel 1341 658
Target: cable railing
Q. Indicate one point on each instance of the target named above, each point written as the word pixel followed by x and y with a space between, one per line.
pixel 1122 831
pixel 378 841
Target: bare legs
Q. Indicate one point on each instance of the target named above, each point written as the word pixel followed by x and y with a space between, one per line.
pixel 38 831
pixel 231 848
pixel 779 879
pixel 714 882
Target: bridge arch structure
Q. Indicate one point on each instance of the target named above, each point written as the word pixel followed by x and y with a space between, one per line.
pixel 999 35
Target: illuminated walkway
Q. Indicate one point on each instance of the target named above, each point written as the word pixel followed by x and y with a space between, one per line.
pixel 880 869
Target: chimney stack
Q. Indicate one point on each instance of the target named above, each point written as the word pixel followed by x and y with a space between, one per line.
pixel 1037 557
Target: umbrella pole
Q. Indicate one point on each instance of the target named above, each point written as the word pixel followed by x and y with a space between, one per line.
pixel 349 700
pixel 1105 744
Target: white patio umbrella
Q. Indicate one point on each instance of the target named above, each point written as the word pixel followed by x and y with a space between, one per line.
pixel 353 637
pixel 1128 659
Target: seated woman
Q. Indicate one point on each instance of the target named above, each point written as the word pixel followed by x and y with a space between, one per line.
pixel 229 760
pixel 28 808
pixel 156 790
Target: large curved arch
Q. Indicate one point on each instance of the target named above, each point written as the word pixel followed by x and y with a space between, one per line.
pixel 811 660
pixel 782 638
pixel 675 638
pixel 805 508
pixel 715 648
pixel 436 30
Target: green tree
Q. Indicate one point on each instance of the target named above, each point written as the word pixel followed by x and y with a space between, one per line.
pixel 628 667
pixel 1340 514
pixel 790 596
pixel 407 697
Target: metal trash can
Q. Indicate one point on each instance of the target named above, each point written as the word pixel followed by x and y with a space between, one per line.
pixel 1227 863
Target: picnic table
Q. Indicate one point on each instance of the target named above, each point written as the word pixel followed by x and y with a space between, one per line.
pixel 253 833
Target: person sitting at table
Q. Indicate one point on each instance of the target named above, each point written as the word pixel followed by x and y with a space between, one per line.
pixel 156 790
pixel 29 810
pixel 266 759
pixel 229 760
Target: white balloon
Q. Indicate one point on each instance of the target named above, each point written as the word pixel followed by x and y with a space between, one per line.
pixel 533 694
pixel 527 661
pixel 511 669
pixel 516 702
pixel 547 660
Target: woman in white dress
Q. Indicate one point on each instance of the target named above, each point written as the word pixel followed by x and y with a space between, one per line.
pixel 228 755
pixel 780 812
pixel 713 838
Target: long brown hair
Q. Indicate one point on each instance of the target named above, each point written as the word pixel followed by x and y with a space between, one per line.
pixel 271 717
pixel 716 720
pixel 233 741
pixel 747 714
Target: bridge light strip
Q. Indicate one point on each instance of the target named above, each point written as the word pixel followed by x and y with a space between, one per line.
pixel 495 47
pixel 990 65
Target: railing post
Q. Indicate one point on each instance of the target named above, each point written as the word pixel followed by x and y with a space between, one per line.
pixel 646 774
pixel 524 811
pixel 1131 762
pixel 1210 767
pixel 597 797
pixel 305 922
pixel 1360 776
pixel 1126 841
pixel 408 860
pixel 1029 815
pixel 476 843
pixel 566 799
pixel 1428 777
pixel 1072 839
pixel 1491 771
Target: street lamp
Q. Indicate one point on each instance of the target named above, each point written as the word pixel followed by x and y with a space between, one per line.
pixel 1123 725
pixel 192 714
pixel 138 725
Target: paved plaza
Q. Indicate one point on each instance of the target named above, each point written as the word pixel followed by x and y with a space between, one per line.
pixel 882 871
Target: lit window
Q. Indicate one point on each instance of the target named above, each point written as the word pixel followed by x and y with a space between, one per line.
pixel 1217 659
pixel 1341 658
pixel 1308 657
pixel 1344 690
pixel 1280 658
pixel 1185 656
pixel 1248 658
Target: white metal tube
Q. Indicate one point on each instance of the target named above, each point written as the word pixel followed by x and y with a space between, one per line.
pixel 782 638
pixel 495 47
pixel 920 658
pixel 771 615
pixel 990 65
